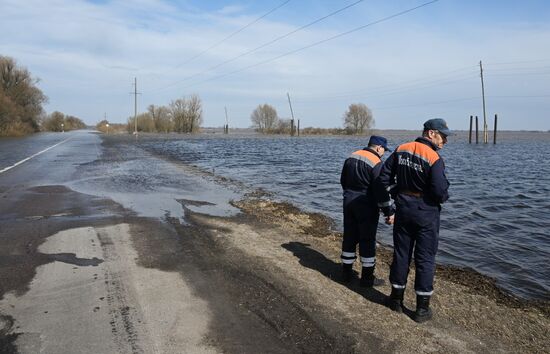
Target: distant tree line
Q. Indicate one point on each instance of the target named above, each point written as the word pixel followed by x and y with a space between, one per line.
pixel 105 127
pixel 57 121
pixel 20 100
pixel 183 115
pixel 358 120
pixel 323 131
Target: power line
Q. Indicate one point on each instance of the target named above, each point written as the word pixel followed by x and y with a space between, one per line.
pixel 288 34
pixel 458 100
pixel 382 94
pixel 519 62
pixel 520 96
pixel 427 103
pixel 519 74
pixel 233 34
pixel 392 90
pixel 521 68
pixel 446 74
pixel 316 43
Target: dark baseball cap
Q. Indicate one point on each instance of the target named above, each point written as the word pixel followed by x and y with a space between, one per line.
pixel 438 124
pixel 379 140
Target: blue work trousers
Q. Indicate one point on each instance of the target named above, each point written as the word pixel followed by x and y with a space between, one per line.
pixel 416 229
pixel 360 225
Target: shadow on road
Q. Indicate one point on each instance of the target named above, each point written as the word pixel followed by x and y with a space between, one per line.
pixel 315 260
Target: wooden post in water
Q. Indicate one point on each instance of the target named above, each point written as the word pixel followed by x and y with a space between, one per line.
pixel 298 130
pixel 470 136
pixel 495 131
pixel 226 126
pixel 485 133
pixel 292 114
pixel 477 130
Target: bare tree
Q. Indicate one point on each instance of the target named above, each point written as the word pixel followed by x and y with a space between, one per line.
pixel 194 113
pixel 186 114
pixel 145 123
pixel 161 118
pixel 358 118
pixel 264 118
pixel 177 114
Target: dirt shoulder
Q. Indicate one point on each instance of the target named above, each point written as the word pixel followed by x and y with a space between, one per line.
pixel 471 313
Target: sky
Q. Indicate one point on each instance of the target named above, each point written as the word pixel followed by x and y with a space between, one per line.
pixel 407 60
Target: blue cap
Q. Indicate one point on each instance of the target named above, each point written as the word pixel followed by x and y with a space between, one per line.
pixel 438 124
pixel 379 140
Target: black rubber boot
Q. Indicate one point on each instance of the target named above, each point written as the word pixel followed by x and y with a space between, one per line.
pixel 423 311
pixel 395 301
pixel 368 280
pixel 347 273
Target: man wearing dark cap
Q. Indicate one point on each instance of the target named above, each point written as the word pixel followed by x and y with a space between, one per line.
pixel 361 211
pixel 420 190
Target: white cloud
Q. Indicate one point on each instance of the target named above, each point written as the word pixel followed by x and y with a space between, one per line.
pixel 82 50
pixel 231 9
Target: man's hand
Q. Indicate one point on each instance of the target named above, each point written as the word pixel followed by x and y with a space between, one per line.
pixel 390 219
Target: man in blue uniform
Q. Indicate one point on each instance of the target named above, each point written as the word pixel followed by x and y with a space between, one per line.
pixel 421 188
pixel 361 211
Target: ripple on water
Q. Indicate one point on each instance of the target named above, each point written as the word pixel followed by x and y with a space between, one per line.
pixel 522 196
pixel 522 206
pixel 478 214
pixel 497 211
pixel 497 208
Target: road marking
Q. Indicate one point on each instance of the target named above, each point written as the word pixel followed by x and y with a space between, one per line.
pixel 30 157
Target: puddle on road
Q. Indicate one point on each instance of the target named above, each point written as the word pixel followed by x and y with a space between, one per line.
pixel 154 188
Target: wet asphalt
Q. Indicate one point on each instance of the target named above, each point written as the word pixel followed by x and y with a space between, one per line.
pixel 94 181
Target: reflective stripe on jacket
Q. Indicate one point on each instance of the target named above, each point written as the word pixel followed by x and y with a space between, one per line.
pixel 360 170
pixel 416 167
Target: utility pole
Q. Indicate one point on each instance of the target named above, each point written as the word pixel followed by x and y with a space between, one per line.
pixel 226 127
pixel 135 93
pixel 485 132
pixel 292 114
pixel 135 106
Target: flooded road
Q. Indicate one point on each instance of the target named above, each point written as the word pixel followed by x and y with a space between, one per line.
pixel 99 256
pixel 495 222
pixel 70 279
pixel 110 247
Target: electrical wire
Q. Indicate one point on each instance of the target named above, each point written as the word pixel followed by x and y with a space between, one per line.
pixel 288 34
pixel 392 90
pixel 516 74
pixel 520 96
pixel 426 103
pixel 387 18
pixel 518 62
pixel 519 69
pixel 232 34
pixel 446 74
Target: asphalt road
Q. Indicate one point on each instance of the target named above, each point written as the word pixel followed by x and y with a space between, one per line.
pixel 108 248
pixel 99 256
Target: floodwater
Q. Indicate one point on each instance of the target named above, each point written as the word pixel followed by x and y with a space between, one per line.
pixel 496 222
